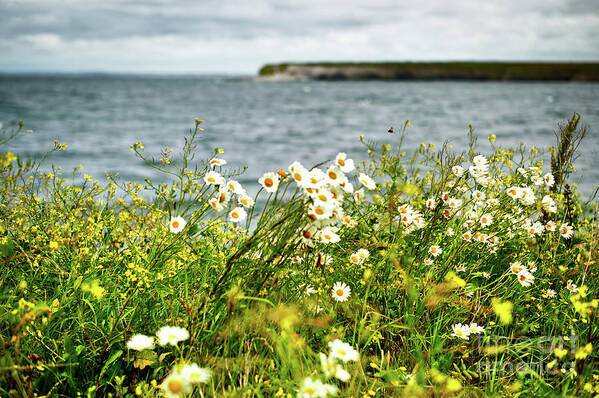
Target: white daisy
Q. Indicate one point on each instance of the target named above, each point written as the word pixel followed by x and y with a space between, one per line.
pixel 237 215
pixel 195 374
pixel 171 335
pixel 340 291
pixel 461 331
pixel 367 181
pixel 176 224
pixel 140 342
pixel 270 182
pixel 343 351
pixel 213 178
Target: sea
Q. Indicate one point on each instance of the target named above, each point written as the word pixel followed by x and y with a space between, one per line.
pixel 265 126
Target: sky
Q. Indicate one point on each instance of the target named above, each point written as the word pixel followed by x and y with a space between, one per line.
pixel 238 37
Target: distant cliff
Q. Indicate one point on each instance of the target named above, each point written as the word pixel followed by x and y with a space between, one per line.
pixel 583 71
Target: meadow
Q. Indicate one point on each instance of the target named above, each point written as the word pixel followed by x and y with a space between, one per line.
pixel 442 272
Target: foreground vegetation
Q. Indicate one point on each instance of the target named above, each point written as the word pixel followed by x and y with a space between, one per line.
pixel 426 274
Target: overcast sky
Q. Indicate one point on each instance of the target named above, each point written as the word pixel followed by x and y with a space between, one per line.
pixel 205 36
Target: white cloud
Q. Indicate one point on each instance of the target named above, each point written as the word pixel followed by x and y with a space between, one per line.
pixel 238 37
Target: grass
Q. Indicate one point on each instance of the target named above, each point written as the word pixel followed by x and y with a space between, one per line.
pixel 435 273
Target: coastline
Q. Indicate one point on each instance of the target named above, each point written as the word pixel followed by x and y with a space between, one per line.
pixel 477 71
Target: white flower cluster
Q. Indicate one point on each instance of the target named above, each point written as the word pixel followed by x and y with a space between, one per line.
pixel 464 331
pixel 411 219
pixel 166 335
pixel 480 170
pixel 339 351
pixel 524 273
pixel 324 192
pixel 227 190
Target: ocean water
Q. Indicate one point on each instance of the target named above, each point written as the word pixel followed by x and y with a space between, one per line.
pixel 267 125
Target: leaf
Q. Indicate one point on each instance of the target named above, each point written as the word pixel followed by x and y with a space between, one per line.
pixel 116 355
pixel 144 358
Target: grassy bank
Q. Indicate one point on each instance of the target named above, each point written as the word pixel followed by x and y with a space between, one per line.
pixel 577 71
pixel 443 272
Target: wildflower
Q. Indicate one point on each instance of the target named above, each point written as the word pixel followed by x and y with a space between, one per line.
pixel 461 331
pixel 311 389
pixel 340 291
pixel 342 351
pixel 486 275
pixel 537 180
pixel 525 277
pixel 176 224
pixel 550 293
pixel 549 180
pixel 513 192
pixel 354 258
pixel 363 254
pixel 572 287
pixel 460 268
pixel 307 289
pixel 331 368
pixel 486 220
pixel 246 201
pixel 458 171
pixel 329 235
pixel 478 195
pixel 536 229
pixel 516 267
pixel 430 203
pixel 475 329
pixel 194 374
pixel 346 165
pixel 428 261
pixel 237 215
pixel 503 309
pixel 176 385
pixel 171 335
pixel 235 187
pixel 480 161
pixel 213 178
pixel 449 232
pixel 492 202
pixel 223 196
pixel 550 226
pixel 454 203
pixel 548 204
pixel 217 162
pixel 334 175
pixel 299 174
pixel 467 236
pixel 140 342
pixel 215 204
pixel 367 181
pixel 359 195
pixel 435 250
pixel 566 231
pixel 324 198
pixel 270 182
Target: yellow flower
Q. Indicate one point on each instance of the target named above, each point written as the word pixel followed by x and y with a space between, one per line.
pixel 583 352
pixel 503 310
pixel 560 352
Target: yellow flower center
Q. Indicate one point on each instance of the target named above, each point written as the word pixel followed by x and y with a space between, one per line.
pixel 339 292
pixel 175 224
pixel 341 162
pixel 268 182
pixel 175 386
